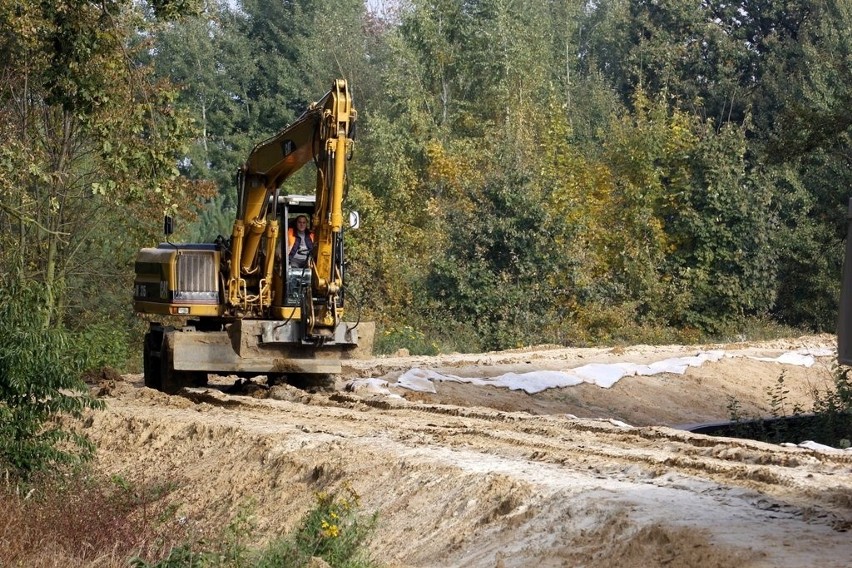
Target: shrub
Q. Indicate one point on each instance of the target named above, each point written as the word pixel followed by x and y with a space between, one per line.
pixel 830 423
pixel 333 530
pixel 40 381
pixel 834 409
pixel 404 337
pixel 101 345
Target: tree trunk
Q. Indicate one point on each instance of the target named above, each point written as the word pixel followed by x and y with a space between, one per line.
pixel 50 280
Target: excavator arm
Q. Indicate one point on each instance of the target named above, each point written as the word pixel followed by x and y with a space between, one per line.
pixel 323 135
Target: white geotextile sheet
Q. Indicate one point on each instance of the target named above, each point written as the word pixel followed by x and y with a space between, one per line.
pixel 604 375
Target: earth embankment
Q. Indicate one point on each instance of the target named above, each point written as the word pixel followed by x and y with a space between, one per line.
pixel 479 476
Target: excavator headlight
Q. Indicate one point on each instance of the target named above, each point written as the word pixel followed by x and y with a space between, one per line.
pixel 183 311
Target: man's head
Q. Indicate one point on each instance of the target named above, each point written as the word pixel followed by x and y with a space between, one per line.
pixel 301 223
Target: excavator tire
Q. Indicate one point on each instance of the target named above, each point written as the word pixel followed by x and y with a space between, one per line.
pixel 158 363
pixel 151 359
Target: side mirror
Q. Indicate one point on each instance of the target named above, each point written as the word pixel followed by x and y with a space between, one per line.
pixel 168 225
pixel 354 220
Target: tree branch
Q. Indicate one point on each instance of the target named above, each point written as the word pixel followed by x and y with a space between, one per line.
pixel 26 219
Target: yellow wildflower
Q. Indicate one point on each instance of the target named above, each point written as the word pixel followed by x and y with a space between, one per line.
pixel 329 530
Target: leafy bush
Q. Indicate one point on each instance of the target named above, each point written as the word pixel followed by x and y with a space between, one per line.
pixel 101 345
pixel 404 337
pixel 40 370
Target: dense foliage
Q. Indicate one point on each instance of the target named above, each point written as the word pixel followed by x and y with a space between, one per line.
pixel 89 144
pixel 564 172
pixel 40 369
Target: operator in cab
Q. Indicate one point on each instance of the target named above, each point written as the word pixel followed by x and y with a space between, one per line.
pixel 300 243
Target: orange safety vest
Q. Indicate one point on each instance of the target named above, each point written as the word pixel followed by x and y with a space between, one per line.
pixel 291 238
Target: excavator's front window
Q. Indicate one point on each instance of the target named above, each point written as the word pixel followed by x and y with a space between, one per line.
pixel 295 219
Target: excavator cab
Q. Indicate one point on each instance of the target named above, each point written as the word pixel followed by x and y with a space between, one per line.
pixel 296 280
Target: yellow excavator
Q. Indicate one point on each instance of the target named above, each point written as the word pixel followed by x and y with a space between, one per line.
pixel 249 306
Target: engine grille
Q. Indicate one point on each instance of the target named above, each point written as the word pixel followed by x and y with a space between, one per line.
pixel 197 277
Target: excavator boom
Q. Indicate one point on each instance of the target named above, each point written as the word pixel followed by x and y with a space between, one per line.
pixel 322 134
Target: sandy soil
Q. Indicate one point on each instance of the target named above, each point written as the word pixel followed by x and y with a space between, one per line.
pixel 479 476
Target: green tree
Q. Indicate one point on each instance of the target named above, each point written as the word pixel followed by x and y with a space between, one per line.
pixel 809 146
pixel 604 165
pixel 389 256
pixel 201 56
pixel 770 78
pixel 491 275
pixel 88 137
pixel 725 250
pixel 245 71
pixel 89 147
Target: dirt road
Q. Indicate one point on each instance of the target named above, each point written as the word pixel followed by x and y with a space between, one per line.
pixel 480 476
